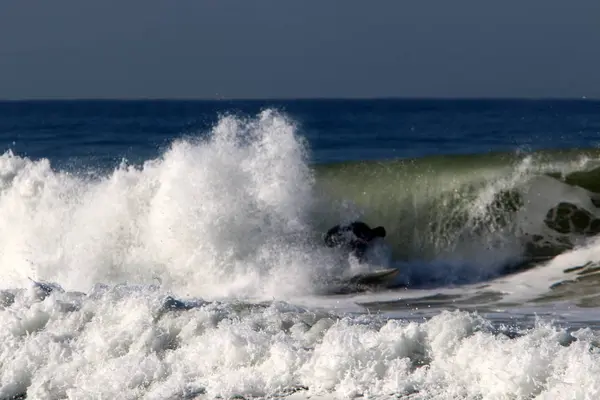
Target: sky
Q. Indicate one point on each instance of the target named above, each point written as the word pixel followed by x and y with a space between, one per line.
pixel 299 49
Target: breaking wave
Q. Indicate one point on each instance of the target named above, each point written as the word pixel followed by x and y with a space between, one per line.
pixel 240 212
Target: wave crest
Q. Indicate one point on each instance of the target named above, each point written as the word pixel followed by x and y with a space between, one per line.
pixel 220 214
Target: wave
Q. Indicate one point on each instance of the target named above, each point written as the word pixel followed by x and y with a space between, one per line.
pixel 127 265
pixel 127 343
pixel 240 212
pixel 484 208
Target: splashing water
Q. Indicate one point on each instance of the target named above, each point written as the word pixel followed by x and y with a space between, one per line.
pixel 221 215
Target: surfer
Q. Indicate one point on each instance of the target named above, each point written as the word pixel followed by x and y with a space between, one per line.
pixel 354 237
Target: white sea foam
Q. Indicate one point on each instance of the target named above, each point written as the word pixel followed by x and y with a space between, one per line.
pixel 128 343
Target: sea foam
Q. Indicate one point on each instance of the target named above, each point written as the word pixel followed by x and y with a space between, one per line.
pixel 127 342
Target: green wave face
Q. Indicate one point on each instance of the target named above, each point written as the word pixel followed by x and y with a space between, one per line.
pixel 457 207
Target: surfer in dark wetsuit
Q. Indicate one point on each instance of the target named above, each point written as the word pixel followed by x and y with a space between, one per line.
pixel 355 237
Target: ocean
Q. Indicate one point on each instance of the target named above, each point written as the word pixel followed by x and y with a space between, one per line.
pixel 174 249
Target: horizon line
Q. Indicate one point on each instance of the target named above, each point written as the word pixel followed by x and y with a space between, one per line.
pixel 283 99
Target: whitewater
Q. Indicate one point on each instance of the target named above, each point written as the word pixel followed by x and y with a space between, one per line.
pixel 201 274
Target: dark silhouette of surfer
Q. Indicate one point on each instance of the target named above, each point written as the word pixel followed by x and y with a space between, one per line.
pixel 354 237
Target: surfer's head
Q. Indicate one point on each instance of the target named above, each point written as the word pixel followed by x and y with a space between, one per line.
pixel 360 234
pixel 365 232
pixel 378 232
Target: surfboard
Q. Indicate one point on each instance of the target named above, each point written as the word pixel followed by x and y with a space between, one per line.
pixel 379 277
pixel 364 281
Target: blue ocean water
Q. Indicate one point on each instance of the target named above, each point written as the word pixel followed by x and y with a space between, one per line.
pixel 173 249
pixel 100 133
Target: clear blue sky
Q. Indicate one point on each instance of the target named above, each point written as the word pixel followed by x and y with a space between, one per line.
pixel 283 49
